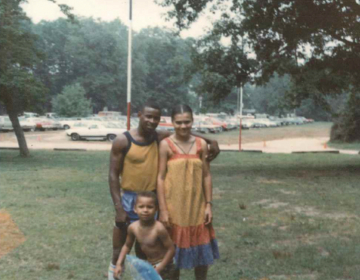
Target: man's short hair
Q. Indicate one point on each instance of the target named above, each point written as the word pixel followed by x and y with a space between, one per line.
pixel 149 195
pixel 150 104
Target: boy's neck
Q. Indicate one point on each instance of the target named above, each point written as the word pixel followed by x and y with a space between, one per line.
pixel 147 223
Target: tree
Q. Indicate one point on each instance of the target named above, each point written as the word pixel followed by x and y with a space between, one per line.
pixel 19 89
pixel 167 58
pixel 72 102
pixel 316 42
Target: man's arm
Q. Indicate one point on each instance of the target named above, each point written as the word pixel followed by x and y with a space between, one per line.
pixel 169 246
pixel 130 239
pixel 207 185
pixel 116 166
pixel 214 149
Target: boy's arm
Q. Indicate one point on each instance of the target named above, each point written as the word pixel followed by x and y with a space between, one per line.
pixel 207 185
pixel 169 246
pixel 214 149
pixel 130 239
pixel 163 157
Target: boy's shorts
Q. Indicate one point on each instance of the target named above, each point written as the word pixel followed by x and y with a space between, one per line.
pixel 170 272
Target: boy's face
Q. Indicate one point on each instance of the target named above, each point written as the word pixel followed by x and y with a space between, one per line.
pixel 145 208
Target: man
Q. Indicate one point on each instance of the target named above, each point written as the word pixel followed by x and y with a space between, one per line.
pixel 134 157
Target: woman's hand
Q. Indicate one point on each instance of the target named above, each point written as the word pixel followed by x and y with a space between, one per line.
pixel 164 218
pixel 208 214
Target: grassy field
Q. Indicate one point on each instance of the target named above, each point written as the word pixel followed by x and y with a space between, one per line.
pixel 318 129
pixel 345 146
pixel 277 217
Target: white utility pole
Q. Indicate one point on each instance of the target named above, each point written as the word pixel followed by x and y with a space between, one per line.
pixel 129 67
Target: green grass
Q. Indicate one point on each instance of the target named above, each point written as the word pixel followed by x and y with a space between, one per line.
pixel 345 146
pixel 276 216
pixel 317 129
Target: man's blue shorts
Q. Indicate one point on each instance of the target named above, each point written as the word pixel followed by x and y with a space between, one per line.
pixel 128 200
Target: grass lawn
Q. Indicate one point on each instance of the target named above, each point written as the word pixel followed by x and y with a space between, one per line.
pixel 317 129
pixel 277 217
pixel 345 146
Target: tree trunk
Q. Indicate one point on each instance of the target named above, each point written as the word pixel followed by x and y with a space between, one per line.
pixel 24 151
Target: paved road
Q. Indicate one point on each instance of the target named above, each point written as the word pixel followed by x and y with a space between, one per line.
pixel 58 140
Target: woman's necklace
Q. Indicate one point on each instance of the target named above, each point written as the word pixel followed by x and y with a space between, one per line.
pixel 186 153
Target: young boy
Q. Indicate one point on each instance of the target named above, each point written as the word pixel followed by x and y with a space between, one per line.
pixel 152 236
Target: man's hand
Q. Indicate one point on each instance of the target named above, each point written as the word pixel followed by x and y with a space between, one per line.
pixel 121 215
pixel 214 150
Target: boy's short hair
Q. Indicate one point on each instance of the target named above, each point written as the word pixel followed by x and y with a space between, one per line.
pixel 149 195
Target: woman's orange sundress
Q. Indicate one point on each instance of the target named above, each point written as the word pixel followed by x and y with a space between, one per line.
pixel 195 242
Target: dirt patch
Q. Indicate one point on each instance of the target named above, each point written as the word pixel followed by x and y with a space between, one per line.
pixel 270 204
pixel 262 202
pixel 288 192
pixel 276 205
pixel 10 235
pixel 312 212
pixel 265 181
pixel 294 277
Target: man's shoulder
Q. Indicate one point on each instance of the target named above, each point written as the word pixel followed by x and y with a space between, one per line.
pixel 120 143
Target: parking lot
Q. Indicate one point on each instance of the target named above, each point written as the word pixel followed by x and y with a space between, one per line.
pixel 227 139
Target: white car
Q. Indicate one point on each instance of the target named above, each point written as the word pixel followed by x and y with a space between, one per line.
pixel 27 124
pixel 5 124
pixel 96 131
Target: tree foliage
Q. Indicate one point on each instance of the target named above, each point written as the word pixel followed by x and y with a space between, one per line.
pixel 19 89
pixel 94 54
pixel 72 102
pixel 19 55
pixel 316 42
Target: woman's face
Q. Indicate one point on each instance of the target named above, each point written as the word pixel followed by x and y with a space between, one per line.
pixel 182 124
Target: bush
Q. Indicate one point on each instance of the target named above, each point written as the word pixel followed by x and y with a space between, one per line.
pixel 72 102
pixel 346 127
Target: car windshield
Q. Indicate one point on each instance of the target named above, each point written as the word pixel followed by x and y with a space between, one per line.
pixel 80 124
pixel 112 125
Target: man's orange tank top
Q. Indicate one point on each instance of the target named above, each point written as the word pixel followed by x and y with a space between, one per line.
pixel 140 167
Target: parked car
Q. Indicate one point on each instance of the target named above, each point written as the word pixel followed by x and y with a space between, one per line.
pixel 5 124
pixel 267 122
pixel 166 124
pixel 67 123
pixel 205 126
pixel 217 122
pixel 27 124
pixel 96 131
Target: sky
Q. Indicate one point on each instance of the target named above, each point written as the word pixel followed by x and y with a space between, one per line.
pixel 145 13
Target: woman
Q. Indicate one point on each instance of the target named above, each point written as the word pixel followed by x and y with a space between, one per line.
pixel 185 195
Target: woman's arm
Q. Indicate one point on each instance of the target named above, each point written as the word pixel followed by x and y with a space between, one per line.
pixel 207 184
pixel 163 158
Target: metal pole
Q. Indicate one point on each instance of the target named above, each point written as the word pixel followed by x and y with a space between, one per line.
pixel 129 67
pixel 240 105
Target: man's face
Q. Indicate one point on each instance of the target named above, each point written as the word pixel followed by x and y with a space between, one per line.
pixel 149 119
